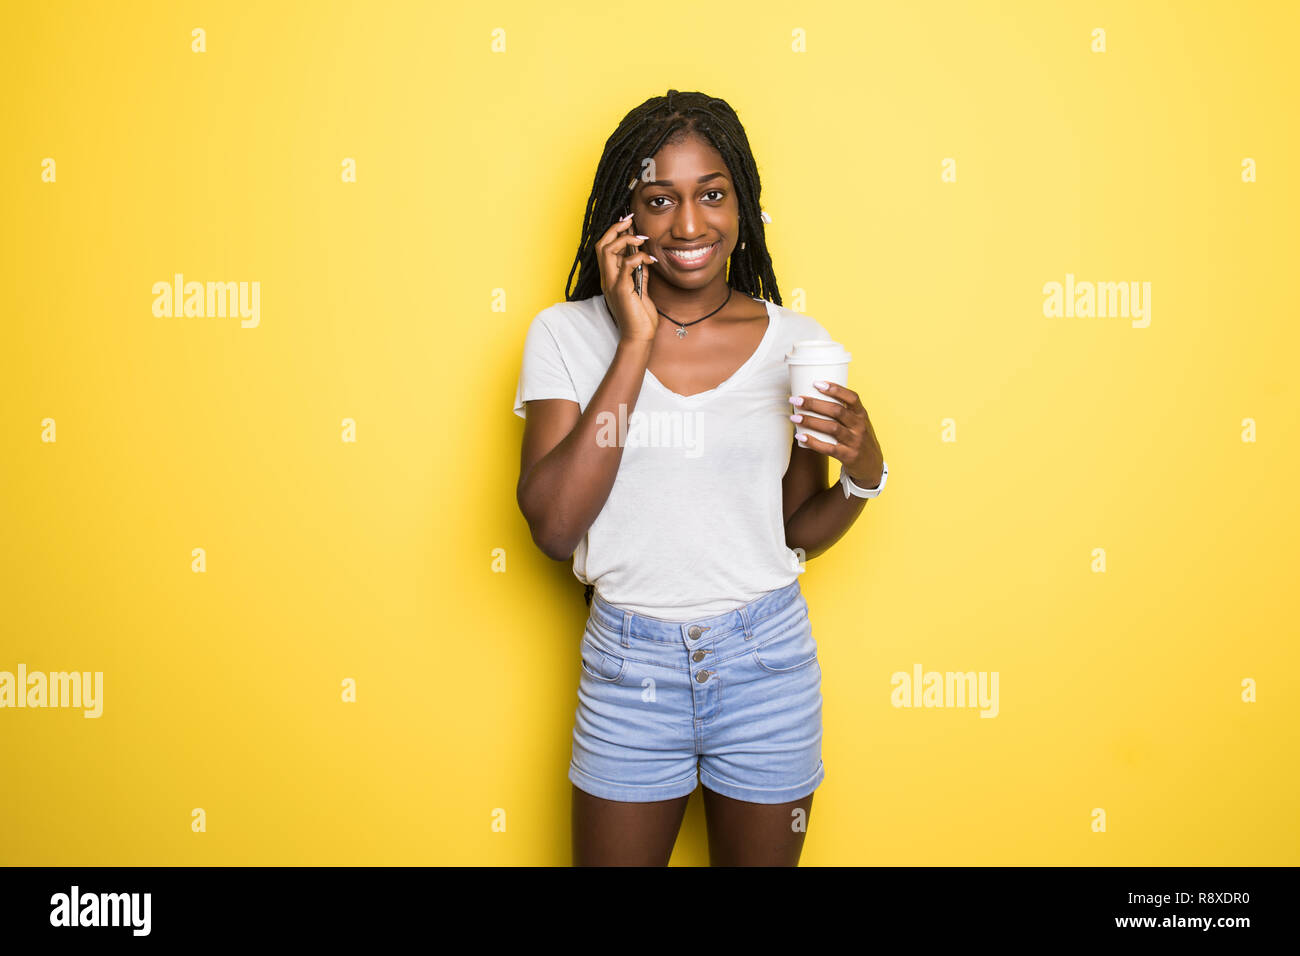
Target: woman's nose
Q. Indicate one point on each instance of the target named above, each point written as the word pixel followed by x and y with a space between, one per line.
pixel 688 222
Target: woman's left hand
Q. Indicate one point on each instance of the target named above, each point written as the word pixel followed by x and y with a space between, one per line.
pixel 855 444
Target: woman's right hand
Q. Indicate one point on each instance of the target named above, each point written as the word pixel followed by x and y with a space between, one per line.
pixel 637 316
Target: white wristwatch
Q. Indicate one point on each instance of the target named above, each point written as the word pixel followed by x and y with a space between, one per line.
pixel 851 489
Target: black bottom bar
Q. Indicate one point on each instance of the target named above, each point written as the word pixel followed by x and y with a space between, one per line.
pixel 207 904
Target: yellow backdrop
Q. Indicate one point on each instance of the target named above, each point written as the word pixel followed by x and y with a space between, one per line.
pixel 1100 509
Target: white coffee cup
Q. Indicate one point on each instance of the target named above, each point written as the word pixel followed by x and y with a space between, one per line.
pixel 816 360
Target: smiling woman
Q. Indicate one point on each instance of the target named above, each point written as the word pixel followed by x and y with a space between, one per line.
pixel 691 561
pixel 732 185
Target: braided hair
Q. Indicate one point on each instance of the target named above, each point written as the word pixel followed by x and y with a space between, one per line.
pixel 659 121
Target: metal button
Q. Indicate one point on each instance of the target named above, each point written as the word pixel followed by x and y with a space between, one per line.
pixel 702 676
pixel 695 631
pixel 697 656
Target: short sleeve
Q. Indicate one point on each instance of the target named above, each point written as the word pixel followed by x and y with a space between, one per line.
pixel 543 373
pixel 805 328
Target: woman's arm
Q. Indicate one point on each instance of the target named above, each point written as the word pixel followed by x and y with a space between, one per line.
pixel 816 516
pixel 564 476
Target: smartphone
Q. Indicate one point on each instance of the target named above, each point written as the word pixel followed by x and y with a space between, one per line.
pixel 636 273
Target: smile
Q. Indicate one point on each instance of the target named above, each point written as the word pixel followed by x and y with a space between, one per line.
pixel 692 259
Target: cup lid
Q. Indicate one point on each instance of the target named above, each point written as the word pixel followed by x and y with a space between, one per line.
pixel 817 352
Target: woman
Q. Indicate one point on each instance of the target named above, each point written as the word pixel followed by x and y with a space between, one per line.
pixel 661 456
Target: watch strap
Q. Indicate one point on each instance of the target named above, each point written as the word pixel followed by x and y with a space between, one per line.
pixel 850 488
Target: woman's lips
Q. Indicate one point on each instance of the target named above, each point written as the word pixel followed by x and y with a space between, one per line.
pixel 698 262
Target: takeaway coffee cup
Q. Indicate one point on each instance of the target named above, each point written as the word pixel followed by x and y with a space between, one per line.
pixel 816 360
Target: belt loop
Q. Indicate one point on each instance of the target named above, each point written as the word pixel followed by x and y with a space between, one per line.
pixel 744 620
pixel 627 628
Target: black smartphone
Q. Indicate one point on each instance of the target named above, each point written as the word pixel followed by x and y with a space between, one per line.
pixel 636 273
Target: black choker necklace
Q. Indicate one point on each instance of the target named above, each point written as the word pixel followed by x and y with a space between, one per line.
pixel 681 326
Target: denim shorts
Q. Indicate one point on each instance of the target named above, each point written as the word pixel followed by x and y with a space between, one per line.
pixel 736 696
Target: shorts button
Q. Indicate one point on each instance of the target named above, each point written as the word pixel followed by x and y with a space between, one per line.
pixel 695 632
pixel 702 676
pixel 697 656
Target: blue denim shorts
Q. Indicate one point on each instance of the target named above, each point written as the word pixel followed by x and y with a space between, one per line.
pixel 736 697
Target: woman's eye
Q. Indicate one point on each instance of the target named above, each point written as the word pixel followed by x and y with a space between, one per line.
pixel 653 200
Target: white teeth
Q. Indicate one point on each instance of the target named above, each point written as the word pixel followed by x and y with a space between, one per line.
pixel 690 256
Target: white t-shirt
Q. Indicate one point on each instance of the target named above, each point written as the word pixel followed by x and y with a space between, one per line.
pixel 693 524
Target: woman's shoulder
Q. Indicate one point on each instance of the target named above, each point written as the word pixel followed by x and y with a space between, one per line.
pixel 580 330
pixel 798 326
pixel 572 314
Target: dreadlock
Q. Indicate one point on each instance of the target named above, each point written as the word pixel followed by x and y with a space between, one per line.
pixel 663 120
pixel 641 134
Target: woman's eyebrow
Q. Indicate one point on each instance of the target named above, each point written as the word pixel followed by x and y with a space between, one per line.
pixel 703 179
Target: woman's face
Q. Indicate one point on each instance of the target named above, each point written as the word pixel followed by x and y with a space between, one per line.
pixel 689 212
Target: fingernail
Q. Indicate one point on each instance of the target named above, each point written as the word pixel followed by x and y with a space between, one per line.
pixel 653 259
pixel 643 237
pixel 801 437
pixel 796 400
pixel 626 218
pixel 796 418
pixel 821 385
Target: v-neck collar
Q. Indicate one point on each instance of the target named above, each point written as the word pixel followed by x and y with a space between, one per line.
pixel 739 374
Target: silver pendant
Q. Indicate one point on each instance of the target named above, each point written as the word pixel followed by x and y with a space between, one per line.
pixel 681 333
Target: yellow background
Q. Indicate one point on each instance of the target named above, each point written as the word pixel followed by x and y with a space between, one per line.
pixel 328 560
